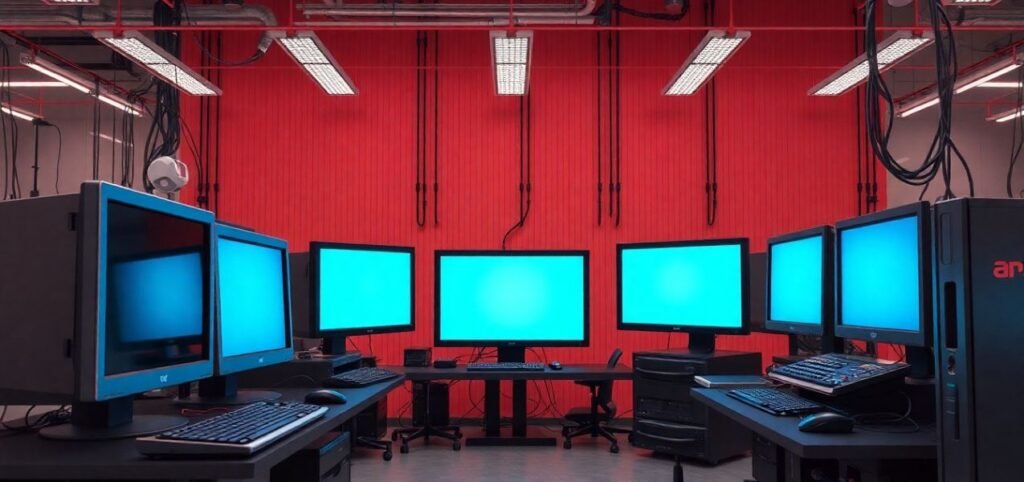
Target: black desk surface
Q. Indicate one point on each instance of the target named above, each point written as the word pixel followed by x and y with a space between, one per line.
pixel 595 372
pixel 28 456
pixel 783 431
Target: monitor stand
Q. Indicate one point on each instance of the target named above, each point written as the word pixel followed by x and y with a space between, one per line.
pixel 223 391
pixel 492 410
pixel 701 343
pixel 922 365
pixel 334 349
pixel 113 419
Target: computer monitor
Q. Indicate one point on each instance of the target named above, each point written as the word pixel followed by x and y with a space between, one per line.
pixel 254 322
pixel 696 287
pixel 358 289
pixel 883 276
pixel 107 293
pixel 799 282
pixel 511 300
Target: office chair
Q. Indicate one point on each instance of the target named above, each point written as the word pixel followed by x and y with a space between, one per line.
pixel 594 420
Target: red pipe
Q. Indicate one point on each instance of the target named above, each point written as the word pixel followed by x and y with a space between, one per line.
pixel 486 28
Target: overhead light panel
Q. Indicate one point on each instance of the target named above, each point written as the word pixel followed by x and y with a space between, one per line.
pixel 1007 116
pixel 31 84
pixel 704 61
pixel 309 52
pixel 150 56
pixel 970 3
pixel 77 82
pixel 81 3
pixel 976 78
pixel 18 113
pixel 893 50
pixel 510 58
pixel 1001 85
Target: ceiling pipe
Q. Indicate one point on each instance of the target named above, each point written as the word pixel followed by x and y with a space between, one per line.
pixel 546 11
pixel 450 23
pixel 27 18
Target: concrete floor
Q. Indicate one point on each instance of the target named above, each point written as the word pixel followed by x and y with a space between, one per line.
pixel 588 460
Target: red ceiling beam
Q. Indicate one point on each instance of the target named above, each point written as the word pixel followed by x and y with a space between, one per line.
pixel 485 28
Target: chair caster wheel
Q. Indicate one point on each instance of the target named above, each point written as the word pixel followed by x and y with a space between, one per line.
pixel 457 446
pixel 630 438
pixel 565 431
pixel 394 436
pixel 567 444
pixel 614 448
pixel 388 455
pixel 404 449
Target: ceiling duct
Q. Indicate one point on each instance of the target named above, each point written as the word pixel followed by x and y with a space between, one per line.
pixel 443 14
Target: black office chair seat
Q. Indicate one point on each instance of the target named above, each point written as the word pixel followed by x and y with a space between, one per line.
pixel 582 416
pixel 594 420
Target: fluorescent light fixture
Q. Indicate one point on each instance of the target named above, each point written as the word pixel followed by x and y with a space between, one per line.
pixel 18 113
pixel 1007 116
pixel 77 82
pixel 970 3
pixel 976 78
pixel 1000 85
pixel 73 2
pixel 893 50
pixel 106 137
pixel 310 53
pixel 708 57
pixel 510 57
pixel 148 55
pixel 31 84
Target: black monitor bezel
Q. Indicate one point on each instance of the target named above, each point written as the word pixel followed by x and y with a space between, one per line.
pixel 585 342
pixel 315 248
pixel 743 329
pixel 827 234
pixel 248 361
pixel 922 337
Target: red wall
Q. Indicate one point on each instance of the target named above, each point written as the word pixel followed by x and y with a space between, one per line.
pixel 304 166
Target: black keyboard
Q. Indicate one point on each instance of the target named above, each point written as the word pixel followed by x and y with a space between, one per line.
pixel 360 377
pixel 239 433
pixel 505 366
pixel 775 402
pixel 834 374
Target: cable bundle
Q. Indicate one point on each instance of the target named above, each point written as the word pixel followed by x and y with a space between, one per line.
pixel 942 148
pixel 8 129
pixel 164 135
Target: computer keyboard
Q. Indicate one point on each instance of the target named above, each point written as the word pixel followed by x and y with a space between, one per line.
pixel 505 366
pixel 360 377
pixel 775 402
pixel 239 433
pixel 834 374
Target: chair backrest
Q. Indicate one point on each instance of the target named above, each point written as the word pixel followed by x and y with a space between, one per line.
pixel 604 391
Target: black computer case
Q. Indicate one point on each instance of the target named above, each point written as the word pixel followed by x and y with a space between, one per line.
pixel 979 307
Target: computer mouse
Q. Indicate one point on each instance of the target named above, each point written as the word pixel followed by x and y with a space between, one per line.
pixel 326 397
pixel 555 365
pixel 826 422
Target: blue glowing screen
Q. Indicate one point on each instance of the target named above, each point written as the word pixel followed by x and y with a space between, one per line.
pixel 364 289
pixel 157 298
pixel 251 284
pixel 512 298
pixel 693 286
pixel 880 285
pixel 797 281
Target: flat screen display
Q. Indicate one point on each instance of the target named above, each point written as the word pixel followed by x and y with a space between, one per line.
pixel 251 291
pixel 797 281
pixel 687 286
pixel 523 298
pixel 364 289
pixel 880 275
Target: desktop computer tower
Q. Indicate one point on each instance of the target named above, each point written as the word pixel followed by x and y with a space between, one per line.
pixel 439 414
pixel 979 305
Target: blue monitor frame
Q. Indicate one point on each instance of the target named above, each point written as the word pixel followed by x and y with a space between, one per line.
pixel 92 382
pixel 315 249
pixel 743 329
pixel 922 336
pixel 226 365
pixel 585 342
pixel 827 235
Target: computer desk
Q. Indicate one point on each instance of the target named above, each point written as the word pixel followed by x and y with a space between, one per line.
pixel 492 394
pixel 870 455
pixel 28 456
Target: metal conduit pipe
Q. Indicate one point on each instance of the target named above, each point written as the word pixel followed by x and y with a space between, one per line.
pixel 547 11
pixel 442 22
pixel 98 17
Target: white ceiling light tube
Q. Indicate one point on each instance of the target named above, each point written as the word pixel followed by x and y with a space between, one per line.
pixel 510 57
pixel 893 50
pixel 77 82
pixel 310 53
pixel 712 52
pixel 977 78
pixel 970 3
pixel 1006 116
pixel 31 84
pixel 77 3
pixel 147 54
pixel 18 113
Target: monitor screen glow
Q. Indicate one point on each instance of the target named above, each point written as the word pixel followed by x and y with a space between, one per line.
pixel 880 285
pixel 518 298
pixel 251 284
pixel 364 289
pixel 797 281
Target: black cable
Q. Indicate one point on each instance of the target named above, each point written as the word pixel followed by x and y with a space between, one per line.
pixel 421 215
pixel 437 103
pixel 261 48
pixel 618 123
pixel 523 154
pixel 600 148
pixel 1017 137
pixel 60 148
pixel 668 17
